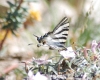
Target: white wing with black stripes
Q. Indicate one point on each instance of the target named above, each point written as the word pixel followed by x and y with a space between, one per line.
pixel 56 39
pixel 60 32
pixel 62 26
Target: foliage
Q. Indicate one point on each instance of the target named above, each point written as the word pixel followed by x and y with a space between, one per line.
pixel 15 16
pixel 14 19
pixel 84 64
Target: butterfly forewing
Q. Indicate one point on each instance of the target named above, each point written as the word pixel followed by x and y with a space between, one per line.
pixel 60 32
pixel 63 25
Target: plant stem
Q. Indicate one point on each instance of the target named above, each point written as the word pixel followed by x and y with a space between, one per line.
pixel 18 7
pixel 2 42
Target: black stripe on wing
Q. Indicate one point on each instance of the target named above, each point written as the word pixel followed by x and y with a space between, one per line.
pixel 62 42
pixel 59 38
pixel 62 31
pixel 59 43
pixel 65 34
pixel 61 46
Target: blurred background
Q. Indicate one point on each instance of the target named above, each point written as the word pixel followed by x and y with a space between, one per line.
pixel 20 19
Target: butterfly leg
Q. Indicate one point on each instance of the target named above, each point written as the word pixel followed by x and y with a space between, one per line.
pixel 51 48
pixel 38 45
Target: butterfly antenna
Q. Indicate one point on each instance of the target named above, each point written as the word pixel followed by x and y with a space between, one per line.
pixel 30 44
pixel 35 36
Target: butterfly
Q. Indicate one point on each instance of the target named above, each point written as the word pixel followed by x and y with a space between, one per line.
pixel 56 39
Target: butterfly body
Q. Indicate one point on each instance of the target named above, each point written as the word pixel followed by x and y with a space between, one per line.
pixel 56 39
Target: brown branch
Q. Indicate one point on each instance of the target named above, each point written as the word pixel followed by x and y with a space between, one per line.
pixel 1 43
pixel 18 7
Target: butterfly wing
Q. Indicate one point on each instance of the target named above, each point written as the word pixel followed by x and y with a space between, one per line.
pixel 60 33
pixel 56 39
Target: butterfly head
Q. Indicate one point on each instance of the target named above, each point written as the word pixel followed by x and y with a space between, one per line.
pixel 38 38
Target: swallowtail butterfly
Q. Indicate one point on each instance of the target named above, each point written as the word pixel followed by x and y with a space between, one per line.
pixel 56 39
